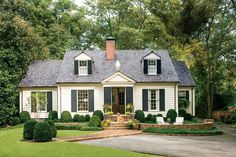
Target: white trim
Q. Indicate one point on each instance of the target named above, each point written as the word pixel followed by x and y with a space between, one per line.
pixel 118 85
pixel 83 56
pixel 85 67
pixel 128 80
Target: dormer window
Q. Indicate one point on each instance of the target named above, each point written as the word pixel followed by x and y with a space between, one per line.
pixel 83 67
pixel 152 64
pixel 82 64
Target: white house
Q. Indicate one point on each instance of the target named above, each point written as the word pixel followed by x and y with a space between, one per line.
pixel 86 80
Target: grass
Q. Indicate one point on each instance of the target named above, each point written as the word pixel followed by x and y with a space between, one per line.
pixel 212 131
pixel 233 126
pixel 67 133
pixel 11 145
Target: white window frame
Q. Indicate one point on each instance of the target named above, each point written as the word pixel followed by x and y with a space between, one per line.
pixel 157 100
pixel 83 70
pixel 87 101
pixel 152 67
pixel 38 103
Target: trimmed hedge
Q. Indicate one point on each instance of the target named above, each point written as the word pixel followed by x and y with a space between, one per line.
pixel 42 132
pixel 212 131
pixel 99 114
pixel 87 117
pixel 28 130
pixel 16 121
pixel 149 117
pixel 188 117
pixel 139 115
pixel 76 117
pixel 154 119
pixel 91 129
pixel 66 127
pixel 81 118
pixel 53 128
pixel 53 115
pixel 172 114
pixel 66 116
pixel 95 121
pixel 182 113
pixel 24 116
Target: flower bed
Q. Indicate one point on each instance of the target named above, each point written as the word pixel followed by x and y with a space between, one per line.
pixel 181 126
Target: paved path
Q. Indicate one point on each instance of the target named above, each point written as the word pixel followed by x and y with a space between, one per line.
pixel 101 134
pixel 182 146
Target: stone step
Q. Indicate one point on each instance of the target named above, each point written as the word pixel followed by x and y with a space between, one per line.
pixel 117 124
pixel 116 128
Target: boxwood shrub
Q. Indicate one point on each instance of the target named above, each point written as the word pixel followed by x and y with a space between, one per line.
pixel 28 129
pixel 87 117
pixel 188 117
pixel 153 118
pixel 24 116
pixel 16 121
pixel 68 127
pixel 81 118
pixel 95 121
pixel 182 113
pixel 99 114
pixel 171 114
pixel 66 116
pixel 91 129
pixel 53 115
pixel 149 117
pixel 42 132
pixel 53 128
pixel 76 117
pixel 139 115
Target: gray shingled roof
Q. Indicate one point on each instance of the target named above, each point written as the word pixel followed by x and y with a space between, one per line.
pixel 130 66
pixel 184 74
pixel 41 73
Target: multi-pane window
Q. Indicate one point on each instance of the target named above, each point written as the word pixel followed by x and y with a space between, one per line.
pixel 83 67
pixel 152 66
pixel 82 100
pixel 182 95
pixel 39 101
pixel 153 99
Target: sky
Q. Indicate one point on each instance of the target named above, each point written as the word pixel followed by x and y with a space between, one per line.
pixel 79 2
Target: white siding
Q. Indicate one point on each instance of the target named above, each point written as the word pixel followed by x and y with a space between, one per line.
pixel 191 108
pixel 26 101
pixel 169 96
pixel 66 97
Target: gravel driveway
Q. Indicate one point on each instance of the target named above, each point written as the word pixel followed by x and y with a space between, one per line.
pixel 182 146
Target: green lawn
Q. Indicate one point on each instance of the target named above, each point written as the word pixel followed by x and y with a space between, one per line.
pixel 66 133
pixel 11 145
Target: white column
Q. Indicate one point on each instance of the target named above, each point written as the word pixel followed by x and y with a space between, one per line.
pixel 59 101
pixel 193 101
pixel 176 99
pixel 20 101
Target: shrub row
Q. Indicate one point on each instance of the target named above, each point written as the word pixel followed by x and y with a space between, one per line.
pixel 68 127
pixel 212 131
pixel 91 129
pixel 183 113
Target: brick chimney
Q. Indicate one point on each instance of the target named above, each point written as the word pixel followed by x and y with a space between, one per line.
pixel 110 49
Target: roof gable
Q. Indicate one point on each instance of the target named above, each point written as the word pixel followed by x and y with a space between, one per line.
pixel 118 78
pixel 151 55
pixel 83 56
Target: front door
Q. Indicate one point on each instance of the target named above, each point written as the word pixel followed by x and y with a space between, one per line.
pixel 118 100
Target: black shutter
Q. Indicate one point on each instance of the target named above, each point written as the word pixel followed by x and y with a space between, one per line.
pixel 187 95
pixel 49 101
pixel 76 67
pixel 91 100
pixel 107 95
pixel 89 67
pixel 162 99
pixel 33 102
pixel 158 66
pixel 73 101
pixel 145 99
pixel 129 95
pixel 145 66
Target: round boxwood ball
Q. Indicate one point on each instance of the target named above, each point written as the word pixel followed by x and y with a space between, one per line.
pixel 66 116
pixel 172 114
pixel 188 117
pixel 139 115
pixel 95 121
pixel 16 121
pixel 53 115
pixel 76 117
pixel 182 113
pixel 81 118
pixel 24 116
pixel 53 128
pixel 28 130
pixel 149 117
pixel 42 132
pixel 99 114
pixel 87 117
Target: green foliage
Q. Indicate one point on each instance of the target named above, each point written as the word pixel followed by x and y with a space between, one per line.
pixel 129 108
pixel 171 114
pixel 53 115
pixel 99 114
pixel 139 115
pixel 24 116
pixel 182 113
pixel 81 118
pixel 153 118
pixel 42 132
pixel 87 117
pixel 188 117
pixel 183 103
pixel 91 129
pixel 66 116
pixel 16 121
pixel 67 127
pixel 29 129
pixel 53 128
pixel 133 124
pixel 107 108
pixel 149 117
pixel 95 121
pixel 76 117
pixel 212 131
pixel 159 115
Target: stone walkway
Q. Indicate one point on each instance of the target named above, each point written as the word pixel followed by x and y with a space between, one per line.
pixel 101 135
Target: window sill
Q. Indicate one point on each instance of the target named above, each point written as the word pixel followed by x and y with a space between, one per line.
pixel 83 111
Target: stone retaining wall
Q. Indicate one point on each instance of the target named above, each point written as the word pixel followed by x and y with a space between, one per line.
pixel 181 126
